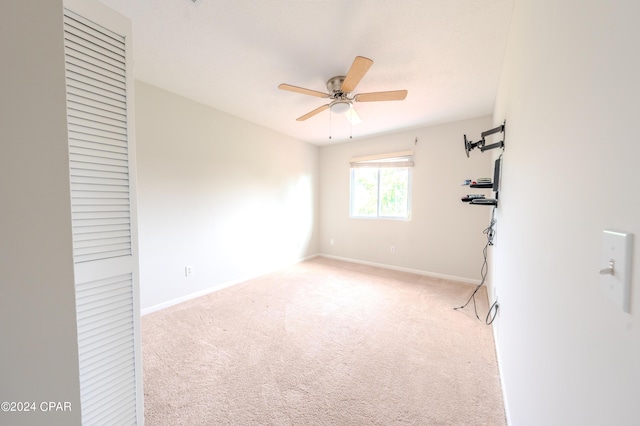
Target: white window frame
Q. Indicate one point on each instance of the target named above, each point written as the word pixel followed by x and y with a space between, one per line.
pixel 403 159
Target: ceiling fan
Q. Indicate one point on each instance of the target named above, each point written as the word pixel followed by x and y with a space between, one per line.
pixel 341 86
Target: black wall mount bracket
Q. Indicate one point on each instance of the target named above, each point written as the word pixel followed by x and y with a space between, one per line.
pixel 481 144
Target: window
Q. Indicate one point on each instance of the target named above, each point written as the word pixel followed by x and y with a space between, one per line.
pixel 381 186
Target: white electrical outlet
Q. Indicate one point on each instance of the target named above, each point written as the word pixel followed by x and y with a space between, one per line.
pixel 331 241
pixel 615 267
pixel 392 249
pixel 188 271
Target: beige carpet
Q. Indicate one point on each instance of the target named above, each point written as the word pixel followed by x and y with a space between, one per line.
pixel 323 342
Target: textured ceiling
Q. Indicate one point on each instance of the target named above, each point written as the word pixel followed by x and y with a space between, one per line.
pixel 232 54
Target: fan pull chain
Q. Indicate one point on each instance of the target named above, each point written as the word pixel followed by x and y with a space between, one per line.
pixel 329 124
pixel 351 126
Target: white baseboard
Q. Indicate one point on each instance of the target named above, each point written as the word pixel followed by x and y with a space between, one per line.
pixel 400 268
pixel 227 284
pixel 190 296
pixel 215 288
pixel 495 325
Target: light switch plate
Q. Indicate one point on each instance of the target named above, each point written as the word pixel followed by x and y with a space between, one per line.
pixel 615 282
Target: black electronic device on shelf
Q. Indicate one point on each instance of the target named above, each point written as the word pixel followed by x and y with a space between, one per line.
pixel 481 185
pixel 496 175
pixel 484 202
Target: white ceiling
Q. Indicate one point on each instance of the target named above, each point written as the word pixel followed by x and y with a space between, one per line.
pixel 232 54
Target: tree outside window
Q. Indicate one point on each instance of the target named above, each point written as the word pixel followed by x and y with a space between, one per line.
pixel 380 192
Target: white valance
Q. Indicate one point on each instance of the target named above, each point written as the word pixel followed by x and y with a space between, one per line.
pixel 392 159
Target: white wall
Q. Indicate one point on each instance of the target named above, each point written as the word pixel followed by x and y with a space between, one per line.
pixel 38 342
pixel 228 197
pixel 444 236
pixel 569 92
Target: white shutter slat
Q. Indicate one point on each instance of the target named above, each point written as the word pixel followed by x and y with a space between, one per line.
pixel 112 75
pixel 86 30
pixel 110 371
pixel 103 255
pixel 107 355
pixel 96 155
pixel 102 85
pixel 83 85
pixel 107 338
pixel 103 327
pixel 104 392
pixel 90 208
pixel 78 53
pixel 84 218
pixel 123 415
pixel 76 165
pixel 81 204
pixel 100 174
pixel 79 25
pixel 100 409
pixel 95 159
pixel 81 179
pixel 116 381
pixel 107 330
pixel 97 195
pixel 92 285
pixel 103 352
pixel 97 317
pixel 83 148
pixel 94 37
pixel 103 133
pixel 99 235
pixel 101 361
pixel 92 78
pixel 104 242
pixel 77 102
pixel 87 115
pixel 94 201
pixel 107 102
pixel 104 249
pixel 89 142
pixel 101 230
pixel 102 221
pixel 92 189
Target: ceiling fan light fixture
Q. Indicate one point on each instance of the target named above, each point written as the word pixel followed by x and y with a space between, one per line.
pixel 340 107
pixel 353 116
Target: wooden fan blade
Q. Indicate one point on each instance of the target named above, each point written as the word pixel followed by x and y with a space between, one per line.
pixel 358 69
pixel 302 90
pixel 393 95
pixel 312 113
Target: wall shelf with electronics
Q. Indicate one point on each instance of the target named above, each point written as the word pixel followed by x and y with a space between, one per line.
pixel 485 183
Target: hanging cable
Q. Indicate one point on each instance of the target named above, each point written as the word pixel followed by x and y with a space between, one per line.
pixel 489 232
pixel 351 123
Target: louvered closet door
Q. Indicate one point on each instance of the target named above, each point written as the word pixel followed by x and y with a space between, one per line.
pixel 103 222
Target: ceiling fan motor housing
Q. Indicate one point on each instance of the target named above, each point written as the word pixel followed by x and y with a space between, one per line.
pixel 341 103
pixel 334 86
